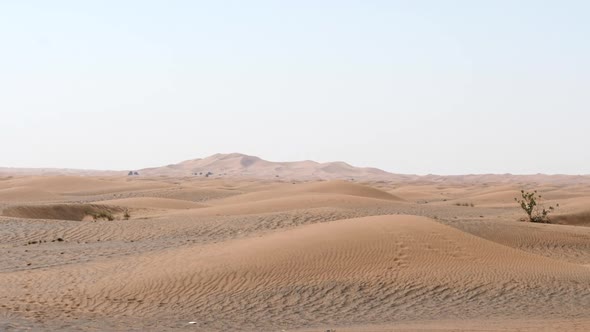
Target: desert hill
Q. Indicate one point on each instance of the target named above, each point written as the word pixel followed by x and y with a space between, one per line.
pixel 237 165
pixel 241 165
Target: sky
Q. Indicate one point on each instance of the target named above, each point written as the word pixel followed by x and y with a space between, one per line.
pixel 415 87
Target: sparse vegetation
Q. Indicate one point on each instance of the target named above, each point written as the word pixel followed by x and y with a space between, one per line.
pixel 103 215
pixel 126 215
pixel 530 202
pixel 465 204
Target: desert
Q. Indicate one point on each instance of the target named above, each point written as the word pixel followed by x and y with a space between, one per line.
pixel 299 248
pixel 294 166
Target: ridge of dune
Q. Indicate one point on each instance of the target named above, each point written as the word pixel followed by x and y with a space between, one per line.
pixel 347 188
pixel 347 250
pixel 580 218
pixel 197 194
pixel 288 203
pixel 331 187
pixel 81 185
pixel 75 212
pixel 153 203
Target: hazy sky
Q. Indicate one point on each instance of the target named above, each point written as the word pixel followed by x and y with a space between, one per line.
pixel 443 87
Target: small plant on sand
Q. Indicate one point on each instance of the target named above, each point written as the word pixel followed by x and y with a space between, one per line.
pixel 126 215
pixel 530 202
pixel 103 215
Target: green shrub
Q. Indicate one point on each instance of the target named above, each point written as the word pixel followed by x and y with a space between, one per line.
pixel 530 202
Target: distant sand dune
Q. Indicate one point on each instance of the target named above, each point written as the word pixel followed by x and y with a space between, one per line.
pixel 240 165
pixel 196 194
pixel 24 194
pixel 81 185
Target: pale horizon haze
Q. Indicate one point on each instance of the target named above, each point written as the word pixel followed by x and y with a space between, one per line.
pixel 413 87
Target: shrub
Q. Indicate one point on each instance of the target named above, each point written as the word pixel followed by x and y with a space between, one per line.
pixel 530 202
pixel 126 216
pixel 103 215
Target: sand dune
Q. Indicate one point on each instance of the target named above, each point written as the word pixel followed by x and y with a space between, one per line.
pixel 565 243
pixel 287 197
pixel 57 211
pixel 315 188
pixel 308 201
pixel 416 194
pixel 153 203
pixel 271 255
pixel 497 198
pixel 355 271
pixel 196 194
pixel 240 165
pixel 82 185
pixel 578 219
pixel 347 188
pixel 26 194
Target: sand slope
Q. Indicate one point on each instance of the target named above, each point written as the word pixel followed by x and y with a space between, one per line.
pixel 26 194
pixel 153 203
pixel 81 185
pixel 349 272
pixel 57 211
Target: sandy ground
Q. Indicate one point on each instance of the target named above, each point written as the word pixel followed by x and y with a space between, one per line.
pixel 202 254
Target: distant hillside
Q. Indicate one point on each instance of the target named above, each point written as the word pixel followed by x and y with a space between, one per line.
pixel 240 165
pixel 237 165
